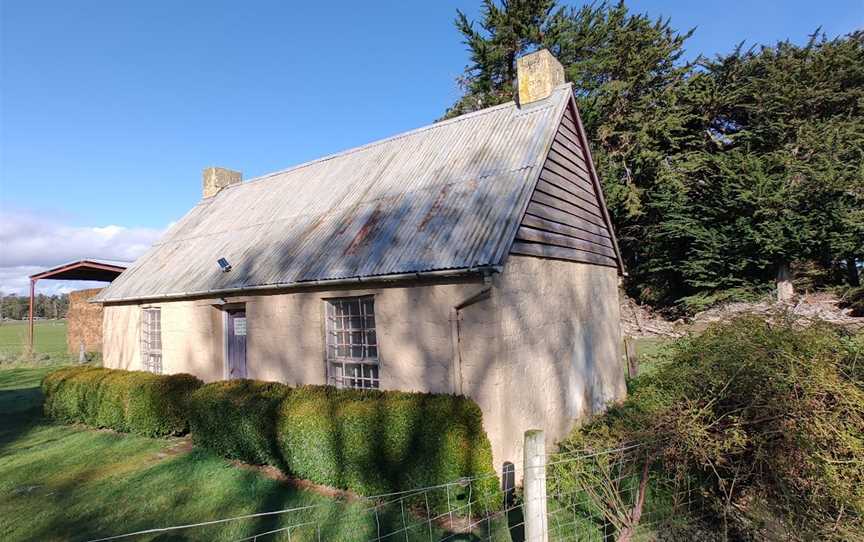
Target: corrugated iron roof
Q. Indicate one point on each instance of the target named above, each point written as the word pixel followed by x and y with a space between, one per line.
pixel 447 196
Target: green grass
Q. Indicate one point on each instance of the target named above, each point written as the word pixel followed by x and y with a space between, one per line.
pixel 647 349
pixel 64 482
pixel 49 343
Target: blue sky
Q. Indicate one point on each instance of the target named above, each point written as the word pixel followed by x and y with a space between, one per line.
pixel 109 110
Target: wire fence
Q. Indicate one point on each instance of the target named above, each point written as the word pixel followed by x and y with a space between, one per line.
pixel 615 495
pixel 458 510
pixel 606 495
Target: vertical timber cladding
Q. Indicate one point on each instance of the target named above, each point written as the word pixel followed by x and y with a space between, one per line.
pixel 565 219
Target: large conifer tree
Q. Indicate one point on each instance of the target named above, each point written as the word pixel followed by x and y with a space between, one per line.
pixel 717 173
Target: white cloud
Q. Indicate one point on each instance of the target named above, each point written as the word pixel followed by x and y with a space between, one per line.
pixel 30 243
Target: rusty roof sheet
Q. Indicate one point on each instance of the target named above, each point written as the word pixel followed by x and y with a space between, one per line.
pixel 447 196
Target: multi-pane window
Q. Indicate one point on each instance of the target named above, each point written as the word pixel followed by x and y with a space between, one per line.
pixel 151 340
pixel 352 346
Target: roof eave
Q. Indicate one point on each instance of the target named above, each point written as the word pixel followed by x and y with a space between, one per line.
pixel 373 280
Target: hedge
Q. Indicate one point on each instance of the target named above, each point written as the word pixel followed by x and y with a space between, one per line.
pixel 367 441
pixel 127 401
pixel 376 442
pixel 370 442
pixel 236 419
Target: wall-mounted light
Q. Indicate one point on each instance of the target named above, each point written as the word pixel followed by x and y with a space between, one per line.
pixel 224 265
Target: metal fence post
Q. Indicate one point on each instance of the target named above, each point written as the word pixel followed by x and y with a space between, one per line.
pixel 534 485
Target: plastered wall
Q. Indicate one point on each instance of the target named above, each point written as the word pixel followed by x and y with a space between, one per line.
pixel 542 351
pixel 539 352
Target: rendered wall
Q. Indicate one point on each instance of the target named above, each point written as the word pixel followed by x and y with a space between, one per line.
pixel 191 338
pixel 83 322
pixel 540 352
pixel 543 351
pixel 285 336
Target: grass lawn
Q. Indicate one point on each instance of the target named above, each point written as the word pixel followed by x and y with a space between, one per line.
pixel 646 349
pixel 60 482
pixel 49 339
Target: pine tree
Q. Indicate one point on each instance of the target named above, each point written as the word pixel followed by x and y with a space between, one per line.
pixel 717 173
pixel 782 179
pixel 506 31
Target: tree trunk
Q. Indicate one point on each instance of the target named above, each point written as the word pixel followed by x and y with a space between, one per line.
pixel 785 290
pixel 636 513
pixel 852 276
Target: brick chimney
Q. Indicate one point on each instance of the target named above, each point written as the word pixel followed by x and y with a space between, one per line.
pixel 215 179
pixel 537 75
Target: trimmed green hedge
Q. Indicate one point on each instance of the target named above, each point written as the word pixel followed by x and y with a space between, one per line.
pixel 127 401
pixel 370 442
pixel 376 442
pixel 367 441
pixel 236 419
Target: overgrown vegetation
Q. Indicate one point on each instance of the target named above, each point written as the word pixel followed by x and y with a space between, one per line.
pixel 853 299
pixel 719 173
pixel 765 419
pixel 128 401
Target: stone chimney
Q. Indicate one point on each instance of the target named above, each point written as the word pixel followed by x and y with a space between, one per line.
pixel 215 179
pixel 537 75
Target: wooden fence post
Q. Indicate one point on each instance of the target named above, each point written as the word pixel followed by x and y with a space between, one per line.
pixel 632 357
pixel 534 485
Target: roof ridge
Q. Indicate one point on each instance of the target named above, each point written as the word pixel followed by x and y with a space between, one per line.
pixel 534 107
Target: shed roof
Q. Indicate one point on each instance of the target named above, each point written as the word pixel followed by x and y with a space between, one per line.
pixel 448 196
pixel 86 269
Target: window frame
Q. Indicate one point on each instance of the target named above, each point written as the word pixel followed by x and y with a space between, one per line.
pixel 148 351
pixel 336 365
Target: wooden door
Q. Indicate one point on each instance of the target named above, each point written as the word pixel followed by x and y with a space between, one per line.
pixel 235 342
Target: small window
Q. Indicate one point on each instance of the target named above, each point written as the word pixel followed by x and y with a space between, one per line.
pixel 352 346
pixel 151 340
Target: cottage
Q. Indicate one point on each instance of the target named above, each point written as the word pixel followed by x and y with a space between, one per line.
pixel 472 256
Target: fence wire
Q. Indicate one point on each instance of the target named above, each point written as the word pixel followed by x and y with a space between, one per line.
pixel 606 495
pixel 615 495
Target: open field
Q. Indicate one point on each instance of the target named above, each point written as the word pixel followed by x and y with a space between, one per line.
pixel 71 483
pixel 49 342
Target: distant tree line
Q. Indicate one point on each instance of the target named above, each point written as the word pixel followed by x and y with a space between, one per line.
pixel 16 307
pixel 719 173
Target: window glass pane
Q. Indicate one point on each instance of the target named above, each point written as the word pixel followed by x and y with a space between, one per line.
pixel 350 337
pixel 151 339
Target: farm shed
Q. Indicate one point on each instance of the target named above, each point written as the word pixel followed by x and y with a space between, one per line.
pixel 83 319
pixel 472 256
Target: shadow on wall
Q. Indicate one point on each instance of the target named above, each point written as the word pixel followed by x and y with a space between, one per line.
pixel 364 233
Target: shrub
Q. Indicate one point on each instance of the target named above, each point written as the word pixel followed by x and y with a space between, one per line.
pixel 853 298
pixel 765 418
pixel 370 442
pixel 237 419
pixel 375 442
pixel 128 401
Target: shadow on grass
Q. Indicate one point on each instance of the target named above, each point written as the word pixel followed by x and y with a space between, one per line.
pixel 20 402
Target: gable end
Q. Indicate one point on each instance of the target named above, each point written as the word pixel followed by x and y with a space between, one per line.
pixel 566 218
